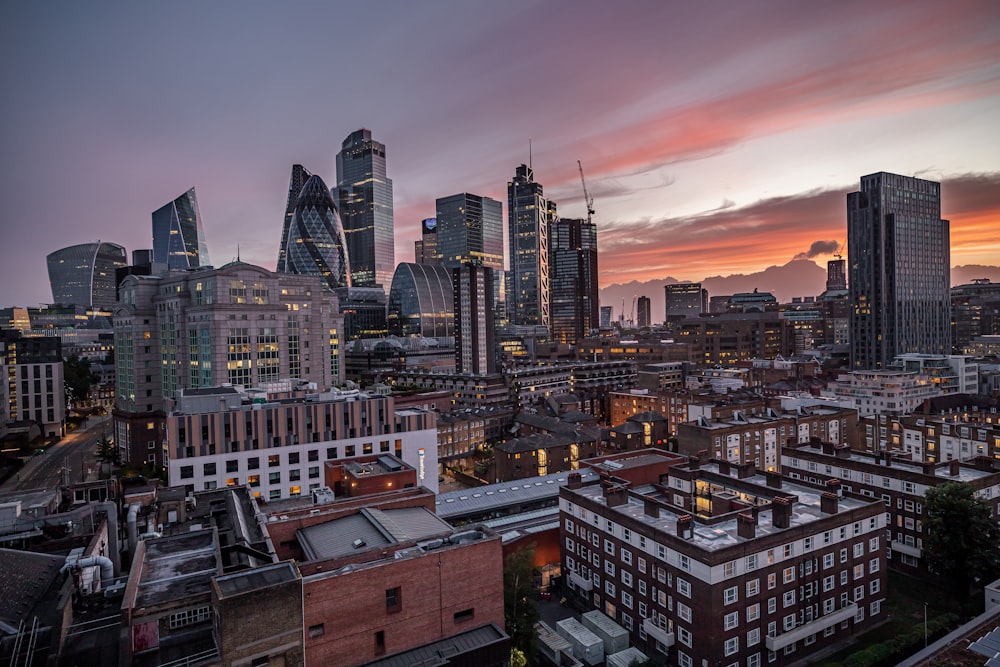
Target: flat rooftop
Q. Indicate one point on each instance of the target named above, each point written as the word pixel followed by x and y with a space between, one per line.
pixel 369 528
pixel 941 470
pixel 176 567
pixel 248 581
pixel 495 496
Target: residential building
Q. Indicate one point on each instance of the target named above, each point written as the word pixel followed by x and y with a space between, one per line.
pixel 708 563
pixel 544 453
pixel 643 313
pixel 574 299
pixel 460 435
pixel 85 274
pixel 475 333
pixel 641 431
pixel 529 218
pixel 975 310
pixel 951 373
pixel 421 301
pixel 33 382
pixel 365 199
pixel 178 235
pixel 733 337
pixel 899 257
pixel 883 392
pixel 685 300
pixel 316 245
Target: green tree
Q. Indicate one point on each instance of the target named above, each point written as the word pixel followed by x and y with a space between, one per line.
pixel 519 610
pixel 961 541
pixel 107 452
pixel 78 377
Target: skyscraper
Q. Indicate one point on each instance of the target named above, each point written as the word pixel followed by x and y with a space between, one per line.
pixel 644 314
pixel 425 250
pixel 574 299
pixel 899 257
pixel 299 177
pixel 684 300
pixel 529 217
pixel 315 244
pixel 178 237
pixel 84 274
pixel 470 231
pixel 365 197
pixel 475 334
pixel 836 274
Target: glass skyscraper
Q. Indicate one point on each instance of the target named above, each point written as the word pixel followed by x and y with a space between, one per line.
pixel 421 301
pixel 529 218
pixel 316 245
pixel 178 237
pixel 574 299
pixel 365 198
pixel 899 269
pixel 85 274
pixel 470 231
pixel 299 177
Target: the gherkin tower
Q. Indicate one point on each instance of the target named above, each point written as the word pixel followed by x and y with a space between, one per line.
pixel 315 244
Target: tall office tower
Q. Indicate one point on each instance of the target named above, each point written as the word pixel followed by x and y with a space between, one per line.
pixel 574 301
pixel 299 177
pixel 365 196
pixel 529 217
pixel 178 237
pixel 316 244
pixel 426 250
pixel 475 333
pixel 238 324
pixel 470 231
pixel 899 256
pixel 644 312
pixel 85 274
pixel 685 300
pixel 606 312
pixel 836 274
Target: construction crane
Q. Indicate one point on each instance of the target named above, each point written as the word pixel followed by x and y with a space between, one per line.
pixel 586 196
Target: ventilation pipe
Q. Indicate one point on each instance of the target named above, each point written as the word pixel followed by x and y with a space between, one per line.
pixel 111 510
pixel 133 532
pixel 107 568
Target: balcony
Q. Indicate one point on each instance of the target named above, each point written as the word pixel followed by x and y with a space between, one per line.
pixel 581 583
pixel 656 632
pixel 801 632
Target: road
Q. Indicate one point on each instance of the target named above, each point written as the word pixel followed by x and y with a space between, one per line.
pixel 76 453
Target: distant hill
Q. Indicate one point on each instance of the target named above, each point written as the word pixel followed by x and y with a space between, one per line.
pixel 799 277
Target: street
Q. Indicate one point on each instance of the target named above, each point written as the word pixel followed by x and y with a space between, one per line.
pixel 76 453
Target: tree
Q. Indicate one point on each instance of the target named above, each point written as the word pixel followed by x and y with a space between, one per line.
pixel 78 377
pixel 961 541
pixel 108 453
pixel 519 611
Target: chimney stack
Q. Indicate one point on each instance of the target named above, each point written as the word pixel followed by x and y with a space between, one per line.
pixel 781 512
pixel 928 468
pixel 724 467
pixel 773 479
pixel 650 508
pixel 746 526
pixel 833 486
pixel 615 495
pixel 694 462
pixel 828 448
pixel 842 451
pixel 574 480
pixel 746 470
pixel 954 467
pixel 828 503
pixel 684 526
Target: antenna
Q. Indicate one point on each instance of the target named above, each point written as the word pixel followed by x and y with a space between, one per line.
pixel 529 154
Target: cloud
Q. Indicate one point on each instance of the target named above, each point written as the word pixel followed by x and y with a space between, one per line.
pixel 819 248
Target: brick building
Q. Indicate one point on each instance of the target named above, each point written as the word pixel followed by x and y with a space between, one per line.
pixel 720 565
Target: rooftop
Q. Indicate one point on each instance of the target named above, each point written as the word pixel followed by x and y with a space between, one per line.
pixel 494 496
pixel 369 528
pixel 177 567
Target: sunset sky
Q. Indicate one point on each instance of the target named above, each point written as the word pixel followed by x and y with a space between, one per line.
pixel 716 137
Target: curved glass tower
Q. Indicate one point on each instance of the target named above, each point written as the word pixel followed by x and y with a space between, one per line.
pixel 84 274
pixel 299 177
pixel 178 237
pixel 316 245
pixel 421 301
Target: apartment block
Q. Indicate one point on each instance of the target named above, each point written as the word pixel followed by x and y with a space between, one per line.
pixel 932 439
pixel 722 565
pixel 883 392
pixel 34 389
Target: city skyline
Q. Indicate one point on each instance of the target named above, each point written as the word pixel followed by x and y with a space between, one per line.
pixel 702 160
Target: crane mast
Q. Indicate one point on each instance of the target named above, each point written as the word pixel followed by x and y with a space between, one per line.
pixel 588 200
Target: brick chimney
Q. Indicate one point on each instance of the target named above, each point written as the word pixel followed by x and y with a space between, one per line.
pixel 842 451
pixel 574 480
pixel 781 512
pixel 888 459
pixel 650 508
pixel 773 479
pixel 745 470
pixel 828 503
pixel 828 448
pixel 694 462
pixel 928 468
pixel 815 442
pixel 954 467
pixel 615 495
pixel 684 526
pixel 724 467
pixel 833 486
pixel 746 525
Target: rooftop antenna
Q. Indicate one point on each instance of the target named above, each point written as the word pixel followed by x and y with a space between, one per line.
pixel 529 154
pixel 237 252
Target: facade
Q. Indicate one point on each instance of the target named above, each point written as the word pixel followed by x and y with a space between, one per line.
pixel 33 382
pixel 85 274
pixel 278 445
pixel 239 324
pixel 730 338
pixel 685 300
pixel 898 483
pixel 540 454
pixel 883 392
pixel 606 312
pixel 723 565
pixel 470 231
pixel 316 245
pixel 958 436
pixel 529 219
pixel 836 275
pixel 951 373
pixel 364 311
pixel 178 236
pixel 475 332
pixel 574 299
pixel 365 198
pixel 643 312
pixel 298 179
pixel 899 256
pixel 421 301
pixel 425 251
pixel 975 310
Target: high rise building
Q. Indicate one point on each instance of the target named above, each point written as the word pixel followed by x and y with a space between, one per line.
pixel 85 274
pixel 606 312
pixel 644 312
pixel 365 197
pixel 836 274
pixel 574 300
pixel 299 177
pixel 529 218
pixel 33 387
pixel 899 256
pixel 178 236
pixel 685 300
pixel 470 231
pixel 315 244
pixel 475 333
pixel 426 250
